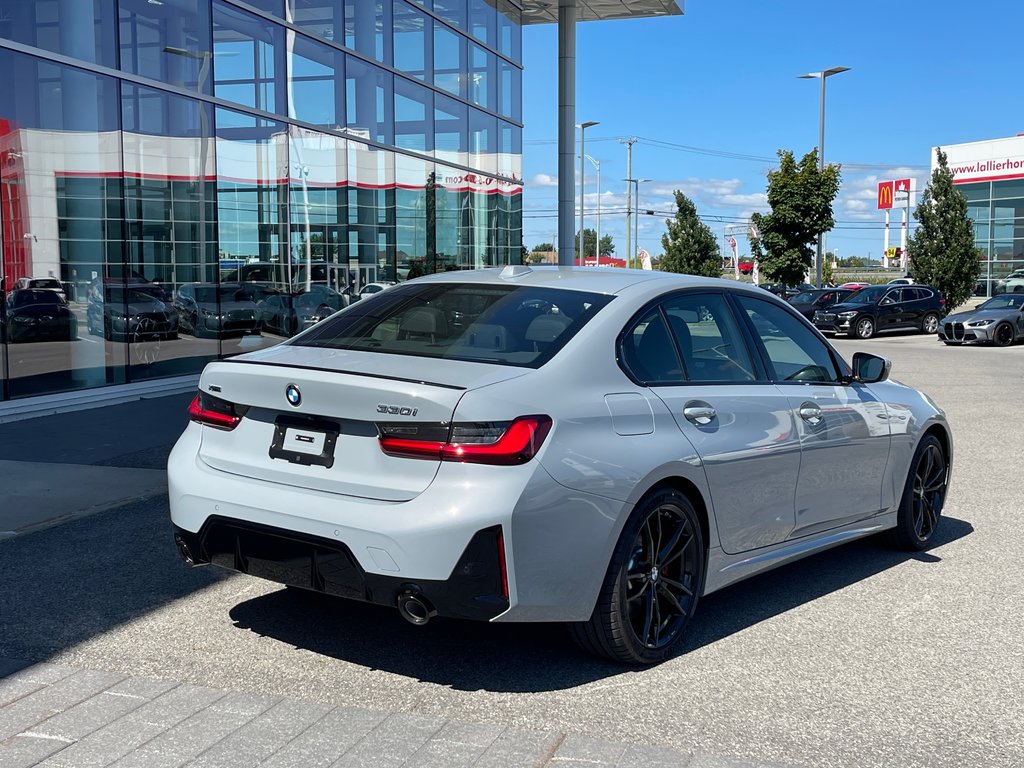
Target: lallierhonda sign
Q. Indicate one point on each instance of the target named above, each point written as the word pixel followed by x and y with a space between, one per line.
pixel 993 160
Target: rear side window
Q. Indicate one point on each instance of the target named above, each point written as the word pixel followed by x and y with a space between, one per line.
pixel 507 325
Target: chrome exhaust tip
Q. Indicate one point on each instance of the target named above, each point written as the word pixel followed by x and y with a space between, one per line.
pixel 415 608
pixel 184 553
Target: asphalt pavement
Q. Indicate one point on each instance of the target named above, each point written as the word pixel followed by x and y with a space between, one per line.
pixel 857 657
pixel 86 554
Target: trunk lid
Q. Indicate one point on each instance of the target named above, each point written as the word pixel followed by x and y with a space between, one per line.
pixel 328 441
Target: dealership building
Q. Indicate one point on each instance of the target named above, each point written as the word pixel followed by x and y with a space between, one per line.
pixel 990 174
pixel 310 146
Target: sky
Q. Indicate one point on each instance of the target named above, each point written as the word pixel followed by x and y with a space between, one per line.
pixel 712 96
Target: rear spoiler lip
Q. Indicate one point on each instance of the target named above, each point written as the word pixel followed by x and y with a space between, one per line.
pixel 345 373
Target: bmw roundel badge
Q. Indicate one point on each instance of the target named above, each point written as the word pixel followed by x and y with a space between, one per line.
pixel 293 395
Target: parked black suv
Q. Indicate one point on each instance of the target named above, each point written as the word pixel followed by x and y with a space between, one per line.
pixel 884 308
pixel 816 299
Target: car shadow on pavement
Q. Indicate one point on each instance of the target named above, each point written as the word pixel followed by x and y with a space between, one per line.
pixel 517 658
pixel 70 583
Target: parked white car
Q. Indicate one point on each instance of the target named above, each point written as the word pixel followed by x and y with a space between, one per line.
pixel 1012 283
pixel 594 446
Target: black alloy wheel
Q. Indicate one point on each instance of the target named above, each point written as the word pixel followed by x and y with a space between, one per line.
pixel 924 496
pixel 930 323
pixel 652 586
pixel 1003 335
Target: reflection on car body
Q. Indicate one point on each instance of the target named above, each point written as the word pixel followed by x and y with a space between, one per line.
pixel 600 447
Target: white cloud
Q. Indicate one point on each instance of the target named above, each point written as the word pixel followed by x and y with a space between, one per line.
pixel 543 180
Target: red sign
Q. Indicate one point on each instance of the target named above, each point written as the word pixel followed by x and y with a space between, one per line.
pixel 885 194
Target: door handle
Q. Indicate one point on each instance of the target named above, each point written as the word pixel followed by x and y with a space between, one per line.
pixel 810 413
pixel 699 413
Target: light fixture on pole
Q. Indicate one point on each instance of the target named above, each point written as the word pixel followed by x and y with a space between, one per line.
pixel 597 166
pixel 583 127
pixel 823 75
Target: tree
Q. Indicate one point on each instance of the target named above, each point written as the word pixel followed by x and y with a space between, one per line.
pixel 801 198
pixel 543 248
pixel 942 251
pixel 590 238
pixel 690 246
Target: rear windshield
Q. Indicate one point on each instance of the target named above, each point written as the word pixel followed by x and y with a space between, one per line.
pixel 47 283
pixel 508 325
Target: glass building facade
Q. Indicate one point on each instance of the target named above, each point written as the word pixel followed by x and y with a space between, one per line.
pixel 990 174
pixel 196 178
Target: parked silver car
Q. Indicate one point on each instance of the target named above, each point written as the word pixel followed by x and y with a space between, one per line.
pixel 600 447
pixel 999 321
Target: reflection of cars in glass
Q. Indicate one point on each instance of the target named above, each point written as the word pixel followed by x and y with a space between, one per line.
pixel 287 314
pixel 1012 283
pixel 691 433
pixel 371 288
pixel 38 315
pixel 880 308
pixel 1000 320
pixel 129 312
pixel 41 284
pixel 809 302
pixel 218 310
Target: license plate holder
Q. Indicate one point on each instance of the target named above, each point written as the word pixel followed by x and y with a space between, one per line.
pixel 305 440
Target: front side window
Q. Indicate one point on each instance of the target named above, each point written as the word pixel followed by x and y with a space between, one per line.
pixel 793 351
pixel 504 325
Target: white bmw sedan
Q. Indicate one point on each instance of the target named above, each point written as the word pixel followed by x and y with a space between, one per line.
pixel 600 447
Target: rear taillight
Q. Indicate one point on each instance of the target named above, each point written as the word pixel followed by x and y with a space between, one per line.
pixel 504 442
pixel 215 412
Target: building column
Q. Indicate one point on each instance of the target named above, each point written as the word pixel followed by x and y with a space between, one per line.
pixel 566 131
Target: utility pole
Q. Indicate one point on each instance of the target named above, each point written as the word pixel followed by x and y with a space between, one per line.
pixel 629 175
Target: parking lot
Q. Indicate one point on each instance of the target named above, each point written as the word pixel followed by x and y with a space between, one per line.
pixel 861 656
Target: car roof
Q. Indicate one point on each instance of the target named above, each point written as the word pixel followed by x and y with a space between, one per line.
pixel 607 280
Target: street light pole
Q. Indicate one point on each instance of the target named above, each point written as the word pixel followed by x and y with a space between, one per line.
pixel 636 221
pixel 583 127
pixel 597 166
pixel 629 172
pixel 823 75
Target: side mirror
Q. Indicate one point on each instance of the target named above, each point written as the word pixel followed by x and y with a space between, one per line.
pixel 869 369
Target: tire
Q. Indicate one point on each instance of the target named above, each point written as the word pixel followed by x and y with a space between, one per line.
pixel 930 323
pixel 646 603
pixel 1003 335
pixel 864 328
pixel 924 495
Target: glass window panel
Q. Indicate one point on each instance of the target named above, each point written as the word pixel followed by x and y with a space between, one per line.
pixel 273 7
pixel 974 192
pixel 510 96
pixel 413 108
pixel 1008 209
pixel 1002 189
pixel 60 155
pixel 451 128
pixel 169 42
pixel 510 31
pixel 320 18
pixel 367 28
pixel 246 67
pixel 449 60
pixel 369 100
pixel 64 27
pixel 316 79
pixel 482 77
pixel 370 208
pixel 483 21
pixel 452 11
pixel 413 40
pixel 483 141
pixel 415 214
pixel 510 150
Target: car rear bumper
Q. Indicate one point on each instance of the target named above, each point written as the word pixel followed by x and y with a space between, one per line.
pixel 556 547
pixel 473 591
